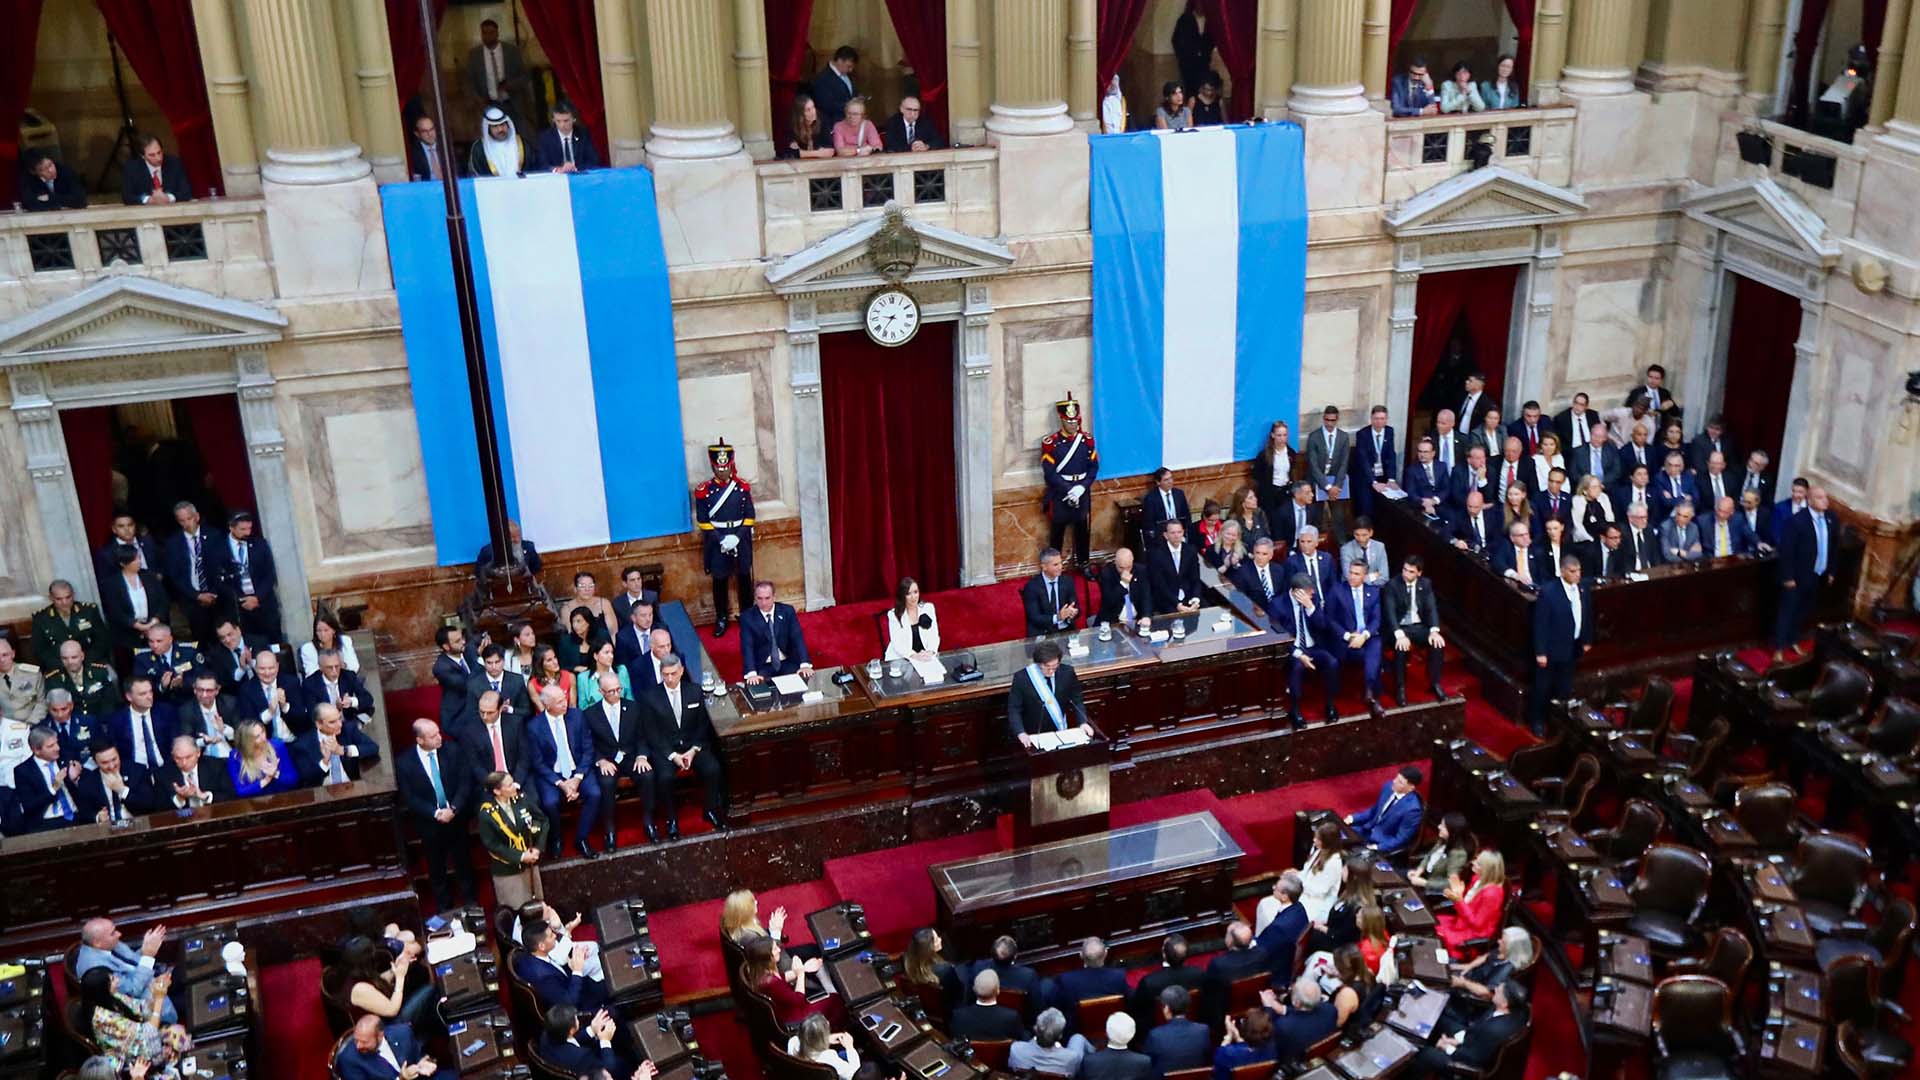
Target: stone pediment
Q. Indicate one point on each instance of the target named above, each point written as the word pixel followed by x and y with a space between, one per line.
pixel 127 315
pixel 844 260
pixel 1489 198
pixel 1764 213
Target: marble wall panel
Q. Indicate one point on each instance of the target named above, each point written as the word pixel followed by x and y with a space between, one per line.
pixel 1606 328
pixel 1040 360
pixel 1340 359
pixel 369 488
pixel 1852 398
pixel 731 394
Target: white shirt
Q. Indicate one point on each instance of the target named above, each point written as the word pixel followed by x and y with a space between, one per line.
pixel 612 710
pixel 673 703
pixel 563 762
pixel 1174 550
pixel 1412 617
pixel 137 592
pixel 1266 579
pixel 1579 428
pixel 386 1052
pixel 1573 599
pixel 496 66
pixel 142 731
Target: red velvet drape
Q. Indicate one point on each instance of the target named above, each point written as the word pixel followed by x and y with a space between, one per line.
pixel 1873 24
pixel 1113 37
pixel 1398 21
pixel 1484 297
pixel 1760 359
pixel 1521 12
pixel 787 57
pixel 90 446
pixel 1234 26
pixel 1806 38
pixel 571 38
pixel 19 25
pixel 921 26
pixel 890 471
pixel 158 40
pixel 405 39
pixel 215 421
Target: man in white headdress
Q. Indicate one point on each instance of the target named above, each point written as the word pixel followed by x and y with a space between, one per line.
pixel 498 151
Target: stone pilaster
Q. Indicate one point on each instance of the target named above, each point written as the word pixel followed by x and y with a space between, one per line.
pixel 975 466
pixel 267 456
pixel 810 450
pixel 54 494
pixel 1549 50
pixel 1273 57
pixel 1029 69
pixel 750 71
pixel 1083 65
pixel 1889 66
pixel 620 81
pixel 690 117
pixel 1374 46
pixel 1766 22
pixel 384 142
pixel 1601 37
pixel 227 95
pixel 965 93
pixel 1326 80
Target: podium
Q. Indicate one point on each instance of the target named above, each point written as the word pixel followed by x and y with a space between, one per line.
pixel 1067 790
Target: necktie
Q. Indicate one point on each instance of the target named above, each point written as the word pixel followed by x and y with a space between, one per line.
pixel 499 753
pixel 1313 571
pixel 60 800
pixel 1508 482
pixel 155 176
pixel 1266 583
pixel 1060 722
pixel 333 692
pixel 433 161
pixel 336 772
pixel 1446 450
pixel 1636 549
pixel 1553 504
pixel 1521 567
pixel 566 147
pixel 1674 483
pixel 1299 518
pixel 1718 491
pixel 1413 605
pixel 909 134
pixel 1391 799
pixel 1299 622
pixel 1480 537
pixel 1533 439
pixel 146 735
pixel 1429 476
pixel 673 703
pixel 1819 543
pixel 1166 497
pixel 1377 454
pixel 1466 409
pixel 1580 427
pixel 1053 595
pixel 1720 546
pixel 1359 606
pixel 238 665
pixel 433 777
pixel 563 762
pixel 493 71
pixel 196 561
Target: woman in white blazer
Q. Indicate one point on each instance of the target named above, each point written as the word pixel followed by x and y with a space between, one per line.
pixel 1592 510
pixel 327 635
pixel 912 628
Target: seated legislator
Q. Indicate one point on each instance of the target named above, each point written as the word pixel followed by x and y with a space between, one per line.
pixel 514 833
pixel 169 663
pixel 332 684
pixel 1279 921
pixel 1592 511
pixel 1410 614
pixel 44 788
pixel 1354 611
pixel 1477 905
pixel 1114 1061
pixel 1426 481
pixel 1640 541
pixel 620 752
pixel 131 974
pixel 1519 559
pixel 260 764
pixel 327 634
pixel 1173 571
pixel 1596 456
pixel 191 780
pixel 601 666
pixel 377 983
pixel 155 178
pixel 382 1051
pixel 1227 550
pixel 1753 511
pixel 230 657
pixel 636 630
pixel 770 641
pixel 681 740
pixel 1729 533
pixel 1473 986
pixel 566 146
pixel 985 1017
pixel 1310 562
pixel 536 912
pixel 1259 577
pixel 1453 849
pixel 923 964
pixel 578 1048
pixel 786 986
pixel 1475 530
pixel 1475 1048
pixel 113 792
pixel 910 131
pixel 1248 1040
pixel 560 753
pixel 1393 821
pixel 1473 477
pixel 1093 978
pixel 1296 513
pixel 143 728
pixel 131 1029
pixel 1305 1018
pixel 1052 605
pixel 334 750
pixel 1680 536
pixel 1125 598
pixel 643 671
pixel 1050 1051
pixel 1044 696
pixel 1241 957
pixel 556 977
pixel 1163 503
pixel 273 698
pixel 1298 615
pixel 1554 502
pixel 1002 959
pixel 913 630
pixel 854 135
pixel 583 635
pixel 1673 486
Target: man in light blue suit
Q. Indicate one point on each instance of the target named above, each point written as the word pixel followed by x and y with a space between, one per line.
pixel 1393 821
pixel 100 946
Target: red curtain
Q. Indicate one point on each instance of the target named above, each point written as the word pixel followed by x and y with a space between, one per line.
pixel 1234 26
pixel 1760 359
pixel 215 423
pixel 1873 24
pixel 1806 38
pixel 20 24
pixel 1484 298
pixel 1113 38
pixel 1398 21
pixel 890 473
pixel 90 447
pixel 570 36
pixel 787 57
pixel 157 37
pixel 921 26
pixel 406 40
pixel 1521 12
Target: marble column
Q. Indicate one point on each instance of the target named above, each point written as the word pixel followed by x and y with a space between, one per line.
pixel 1597 48
pixel 227 96
pixel 373 68
pixel 1273 57
pixel 54 494
pixel 1889 66
pixel 1549 50
pixel 1905 115
pixel 620 81
pixel 964 90
pixel 810 450
pixel 973 405
pixel 750 70
pixel 690 117
pixel 1766 23
pixel 1529 382
pixel 1083 65
pixel 1326 80
pixel 267 454
pixel 1406 296
pixel 1704 379
pixel 1806 362
pixel 1374 46
pixel 1029 69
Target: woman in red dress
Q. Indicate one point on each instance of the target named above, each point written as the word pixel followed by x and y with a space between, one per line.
pixel 1476 907
pixel 787 988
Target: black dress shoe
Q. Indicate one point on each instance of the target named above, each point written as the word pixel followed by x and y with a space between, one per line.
pixel 585 849
pixel 714 819
pixel 1332 714
pixel 653 834
pixel 1438 694
pixel 613 842
pixel 1293 718
pixel 720 627
pixel 1400 698
pixel 673 827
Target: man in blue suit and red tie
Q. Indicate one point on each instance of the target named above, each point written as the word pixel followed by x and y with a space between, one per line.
pixel 1356 618
pixel 1393 821
pixel 1299 614
pixel 560 746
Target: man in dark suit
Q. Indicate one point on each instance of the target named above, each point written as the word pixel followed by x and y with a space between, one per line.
pixel 455 665
pixel 1045 696
pixel 1753 476
pixel 1281 936
pixel 560 756
pixel 1474 478
pixel 143 729
pixel 1125 598
pixel 114 790
pixel 125 532
pixel 333 751
pixel 1393 821
pixel 1474 403
pixel 1260 578
pixel 334 685
pixel 492 742
pixel 770 640
pixel 643 671
pixel 209 718
pixel 1299 512
pixel 1562 632
pixel 1049 598
pixel 1375 461
pixel 1001 960
pixel 985 1017
pixel 1672 487
pixel 577 1049
pixel 244 571
pixel 1714 481
pixel 1807 555
pixel 1727 533
pixel 1785 509
pixel 515 701
pixel 1176 1042
pixel 556 978
pixel 1713 439
pixel 1612 560
pixel 1595 457
pixel 1297 614
pixel 1528 427
pixel 1476 530
pixel 1409 613
pixel 1521 560
pixel 1173 571
pixel 1575 423
pixel 1354 610
pixel 187 561
pixel 1554 502
pixel 190 779
pixel 230 655
pixel 833 86
pixel 1753 511
pixel 273 699
pixel 436 787
pixel 618 727
pixel 169 664
pixel 375 1047
pixel 637 619
pixel 1163 503
pixel 1449 442
pixel 423 151
pixel 1318 566
pixel 1636 490
pixel 1653 391
pixel 1114 1061
pixel 528 561
pixel 1426 481
pixel 567 146
pixel 1173 972
pixel 1641 541
pixel 44 793
pixel 1092 979
pixel 46 185
pixel 155 178
pixel 1307 1018
pixel 908 130
pixel 1476 1047
pixel 633 592
pixel 1241 958
pixel 680 738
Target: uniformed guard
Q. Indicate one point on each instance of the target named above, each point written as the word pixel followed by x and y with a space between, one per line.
pixel 1069 464
pixel 66 619
pixel 723 509
pixel 23 694
pixel 95 688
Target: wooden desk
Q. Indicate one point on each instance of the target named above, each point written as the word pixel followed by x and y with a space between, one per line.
pixel 1418 1012
pixel 1624 1010
pixel 1407 912
pixel 222 1058
pixel 660 1042
pixel 1784 933
pixel 221 1005
pixel 931 1061
pixel 633 974
pixel 1422 959
pixel 876 1017
pixel 620 921
pixel 1793 1045
pixel 1568 846
pixel 481 1042
pixel 1381 1054
pixel 840 929
pixel 857 979
pixel 1624 957
pixel 1797 992
pixel 200 952
pixel 470 983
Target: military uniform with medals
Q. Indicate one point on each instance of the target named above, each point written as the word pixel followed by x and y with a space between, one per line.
pixel 184 661
pixel 96 692
pixel 507 832
pixel 723 512
pixel 84 625
pixel 1069 464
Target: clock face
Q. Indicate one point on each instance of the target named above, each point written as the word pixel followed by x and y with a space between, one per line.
pixel 893 316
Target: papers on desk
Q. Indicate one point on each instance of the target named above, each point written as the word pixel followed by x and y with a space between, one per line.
pixel 1077 648
pixel 812 696
pixel 790 684
pixel 1635 576
pixel 931 670
pixel 1393 492
pixel 1060 740
pixel 443 947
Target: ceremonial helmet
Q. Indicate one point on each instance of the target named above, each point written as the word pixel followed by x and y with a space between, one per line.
pixel 1068 409
pixel 720 456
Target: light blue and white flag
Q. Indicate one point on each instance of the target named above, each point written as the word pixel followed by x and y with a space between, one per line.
pixel 1199 288
pixel 577 322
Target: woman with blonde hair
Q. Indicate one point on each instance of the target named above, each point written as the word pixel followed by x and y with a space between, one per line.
pixel 818 1042
pixel 1477 906
pixel 1227 551
pixel 1592 511
pixel 259 764
pixel 740 922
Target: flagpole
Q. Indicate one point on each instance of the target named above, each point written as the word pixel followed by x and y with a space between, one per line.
pixel 493 486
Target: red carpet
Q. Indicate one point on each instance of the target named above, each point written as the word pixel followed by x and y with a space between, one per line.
pixel 290 1007
pixel 694 930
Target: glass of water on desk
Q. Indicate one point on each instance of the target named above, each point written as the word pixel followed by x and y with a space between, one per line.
pixel 873 669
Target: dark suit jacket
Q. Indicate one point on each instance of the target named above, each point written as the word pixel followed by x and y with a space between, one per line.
pixel 1286 527
pixel 1463 485
pixel 453 686
pixel 416 788
pixel 1281 938
pixel 106 562
pixel 1414 480
pixel 1740 537
pixel 551 986
pixel 221 662
pixel 1323 561
pixel 1178 1044
pixel 251 701
pixel 176 562
pixel 1618 562
pixel 1363 456
pixel 756 643
pixel 976 1021
pixel 1040 614
pixel 136 182
pixel 1113 595
pixel 354 1065
pixel 1116 1065
pixel 513 692
pixel 1393 605
pixel 1168 581
pixel 1272 489
pixel 1144 1002
pixel 626 735
pixel 1075 985
pixel 543 755
pixel 210 774
pixel 548 154
pixel 830 97
pixel 1664 500
pixel 575 1058
pixel 65 193
pixel 1563 425
pixel 666 733
pixel 1012 977
pixel 623 607
pixel 1701 446
pixel 1553 635
pixel 1026 713
pixel 314 689
pixel 117 606
pixel 1518 430
pixel 31 797
pixel 1538 567
pixel 417 168
pixel 91 793
pixel 1580 463
pixel 1221 972
pixel 1490 531
pixel 893 134
pixel 120 729
pixel 1280 620
pixel 1483 1040
pixel 1393 831
pixel 1299 1029
pixel 1543 509
pixel 1154 509
pixel 305 750
pixel 477 749
pixel 1799 548
pixel 1246 578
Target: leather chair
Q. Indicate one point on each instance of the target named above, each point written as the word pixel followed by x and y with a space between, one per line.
pixel 1841 694
pixel 1795 676
pixel 1652 712
pixel 1727 959
pixel 1668 896
pixel 1771 813
pixel 1853 996
pixel 992 1053
pixel 1243 993
pixel 1568 796
pixel 333 1056
pixel 1509 1060
pixel 1255 1070
pixel 503 925
pixel 541 1068
pixel 733 958
pixel 80 1025
pixel 763 1021
pixel 333 1000
pixel 1895 733
pixel 1695 757
pixel 1886 945
pixel 1530 764
pixel 1091 1014
pixel 781 1065
pixel 1017 1001
pixel 1850 1049
pixel 1694 1035
pixel 1639 826
pixel 1829 875
pixel 932 999
pixel 527 1013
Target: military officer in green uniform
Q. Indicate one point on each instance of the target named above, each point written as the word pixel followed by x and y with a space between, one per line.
pixel 95 688
pixel 67 619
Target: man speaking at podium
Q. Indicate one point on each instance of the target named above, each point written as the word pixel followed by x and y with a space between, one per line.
pixel 1045 696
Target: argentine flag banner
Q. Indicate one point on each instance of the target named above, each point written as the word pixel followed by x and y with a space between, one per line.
pixel 577 324
pixel 1199 288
